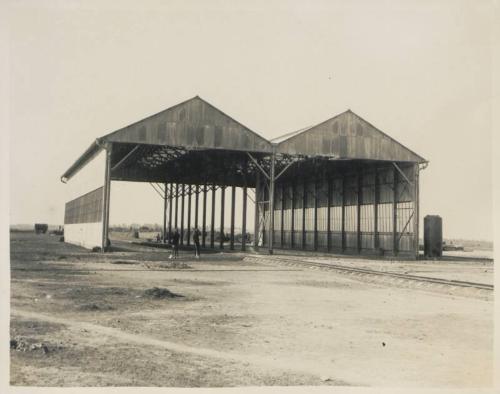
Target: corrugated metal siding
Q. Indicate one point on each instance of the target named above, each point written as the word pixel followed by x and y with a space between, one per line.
pixel 85 209
pixel 192 124
pixel 347 136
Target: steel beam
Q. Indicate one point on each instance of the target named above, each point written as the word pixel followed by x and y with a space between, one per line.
pixel 124 159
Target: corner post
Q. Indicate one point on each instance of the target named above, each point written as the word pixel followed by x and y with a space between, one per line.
pixel 416 207
pixel 106 197
pixel 271 201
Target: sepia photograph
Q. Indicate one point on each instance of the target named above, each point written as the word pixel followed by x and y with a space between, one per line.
pixel 249 195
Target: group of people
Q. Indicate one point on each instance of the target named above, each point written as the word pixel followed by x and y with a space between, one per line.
pixel 175 238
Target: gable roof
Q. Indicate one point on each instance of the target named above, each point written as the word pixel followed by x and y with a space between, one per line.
pixel 346 136
pixel 195 124
pixel 192 124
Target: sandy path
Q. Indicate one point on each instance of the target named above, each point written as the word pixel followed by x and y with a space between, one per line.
pixel 124 337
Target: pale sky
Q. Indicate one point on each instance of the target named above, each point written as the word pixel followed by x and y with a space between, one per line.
pixel 418 70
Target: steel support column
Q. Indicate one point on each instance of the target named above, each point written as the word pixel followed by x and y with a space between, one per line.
pixel 164 212
pixel 359 197
pixel 292 224
pixel 304 200
pixel 204 217
pixel 244 220
pixel 416 208
pixel 233 208
pixel 315 239
pixel 343 214
pixel 282 219
pixel 256 219
pixel 222 203
pixel 176 214
pixel 106 197
pixel 182 214
pixel 329 216
pixel 376 238
pixel 271 202
pixel 170 200
pixel 196 201
pixel 212 224
pixel 395 212
pixel 188 235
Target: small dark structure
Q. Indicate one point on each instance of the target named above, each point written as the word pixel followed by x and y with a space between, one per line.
pixel 341 186
pixel 433 236
pixel 41 228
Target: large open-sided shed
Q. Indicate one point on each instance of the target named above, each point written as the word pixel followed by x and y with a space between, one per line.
pixel 342 185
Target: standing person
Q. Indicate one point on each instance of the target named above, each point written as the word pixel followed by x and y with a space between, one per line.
pixel 175 243
pixel 196 239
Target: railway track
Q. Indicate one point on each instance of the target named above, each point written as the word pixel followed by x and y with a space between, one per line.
pixel 366 271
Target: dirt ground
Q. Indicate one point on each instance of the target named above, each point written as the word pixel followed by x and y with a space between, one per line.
pixel 86 319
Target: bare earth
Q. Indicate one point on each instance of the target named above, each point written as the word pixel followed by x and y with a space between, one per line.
pixel 237 322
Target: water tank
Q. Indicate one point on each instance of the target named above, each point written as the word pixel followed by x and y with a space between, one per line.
pixel 433 236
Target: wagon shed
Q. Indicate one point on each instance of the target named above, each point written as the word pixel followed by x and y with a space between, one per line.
pixel 341 186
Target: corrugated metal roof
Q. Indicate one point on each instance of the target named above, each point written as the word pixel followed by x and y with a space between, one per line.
pixel 195 125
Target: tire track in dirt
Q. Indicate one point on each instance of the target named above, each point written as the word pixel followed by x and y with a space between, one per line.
pixel 287 365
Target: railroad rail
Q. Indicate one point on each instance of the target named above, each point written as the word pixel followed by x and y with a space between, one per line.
pixel 449 282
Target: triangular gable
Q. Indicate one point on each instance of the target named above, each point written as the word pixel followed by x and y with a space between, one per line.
pixel 347 136
pixel 193 124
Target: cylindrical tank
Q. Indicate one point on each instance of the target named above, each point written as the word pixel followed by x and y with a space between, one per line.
pixel 433 236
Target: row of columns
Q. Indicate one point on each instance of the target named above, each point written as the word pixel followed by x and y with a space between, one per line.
pixel 175 192
pixel 376 240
